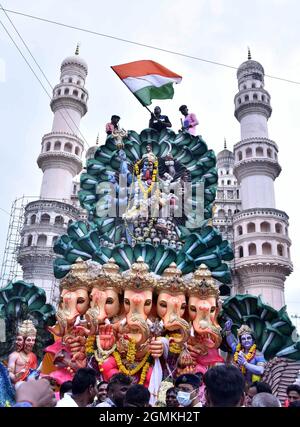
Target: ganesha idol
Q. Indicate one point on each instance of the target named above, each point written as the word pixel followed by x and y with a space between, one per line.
pixel 68 352
pixel 203 310
pixel 171 307
pixel 104 314
pixel 137 347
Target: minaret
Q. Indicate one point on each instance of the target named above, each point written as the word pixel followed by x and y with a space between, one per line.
pixel 227 203
pixel 60 160
pixel 262 245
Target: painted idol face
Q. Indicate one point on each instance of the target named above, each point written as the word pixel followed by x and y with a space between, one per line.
pixel 247 341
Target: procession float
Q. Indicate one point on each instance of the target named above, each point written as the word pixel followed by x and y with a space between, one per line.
pixel 139 277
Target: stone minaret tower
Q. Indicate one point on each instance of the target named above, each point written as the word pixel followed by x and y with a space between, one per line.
pixel 227 204
pixel 60 160
pixel 262 245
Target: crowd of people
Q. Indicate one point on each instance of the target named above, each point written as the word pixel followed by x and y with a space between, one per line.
pixel 159 121
pixel 221 386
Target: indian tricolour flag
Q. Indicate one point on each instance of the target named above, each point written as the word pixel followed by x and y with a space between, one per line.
pixel 147 80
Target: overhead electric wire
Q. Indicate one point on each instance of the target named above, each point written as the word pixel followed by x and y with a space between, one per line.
pixel 96 33
pixel 60 110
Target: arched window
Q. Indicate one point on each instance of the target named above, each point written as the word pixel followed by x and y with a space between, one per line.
pixel 75 92
pixel 244 87
pixel 240 230
pixel 221 172
pixel 57 145
pixel 54 238
pixel 246 98
pixel 70 80
pixel 32 220
pixel 224 290
pixel 241 252
pixel 68 147
pixel 48 146
pixel 70 222
pixel 269 153
pixel 29 240
pixel 251 227
pixel 42 240
pixel 255 97
pixel 222 182
pixel 286 231
pixel 239 100
pixel 59 220
pixel 237 194
pixel 66 92
pixel 288 251
pixel 280 250
pixel 221 213
pixel 278 228
pixel 77 151
pixel 275 155
pixel 240 155
pixel 263 98
pixel 79 82
pixel 82 96
pixel 252 249
pixel 253 85
pixel 249 152
pixel 229 213
pixel 265 227
pixel 228 182
pixel 259 152
pixel 59 92
pixel 266 248
pixel 45 219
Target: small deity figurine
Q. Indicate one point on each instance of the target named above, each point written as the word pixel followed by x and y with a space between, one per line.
pixel 250 361
pixel 23 360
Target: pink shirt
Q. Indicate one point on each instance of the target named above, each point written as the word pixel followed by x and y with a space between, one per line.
pixel 191 120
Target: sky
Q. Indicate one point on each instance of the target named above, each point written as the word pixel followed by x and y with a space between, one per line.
pixel 216 30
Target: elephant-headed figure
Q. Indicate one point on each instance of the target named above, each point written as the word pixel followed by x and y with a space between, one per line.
pixel 135 343
pixel 203 310
pixel 103 314
pixel 171 307
pixel 68 353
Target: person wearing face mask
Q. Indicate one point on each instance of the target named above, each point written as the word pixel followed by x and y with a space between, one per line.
pixel 187 386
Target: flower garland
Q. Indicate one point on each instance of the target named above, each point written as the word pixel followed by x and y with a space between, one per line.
pixel 144 365
pixel 131 351
pixel 249 356
pixel 89 345
pixel 139 176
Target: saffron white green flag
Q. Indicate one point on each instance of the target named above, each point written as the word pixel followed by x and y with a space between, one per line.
pixel 147 80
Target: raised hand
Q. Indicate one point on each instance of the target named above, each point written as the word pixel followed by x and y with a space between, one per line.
pixel 107 337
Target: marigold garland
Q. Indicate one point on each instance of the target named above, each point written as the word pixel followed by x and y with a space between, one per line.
pixel 131 351
pixel 144 365
pixel 249 356
pixel 89 345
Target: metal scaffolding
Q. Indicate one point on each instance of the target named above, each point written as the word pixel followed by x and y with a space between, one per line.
pixel 10 268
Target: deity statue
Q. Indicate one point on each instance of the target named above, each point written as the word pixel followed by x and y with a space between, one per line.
pixel 137 345
pixel 23 360
pixel 170 307
pixel 203 309
pixel 103 314
pixel 68 352
pixel 250 361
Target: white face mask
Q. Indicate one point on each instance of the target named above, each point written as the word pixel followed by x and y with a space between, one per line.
pixel 184 398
